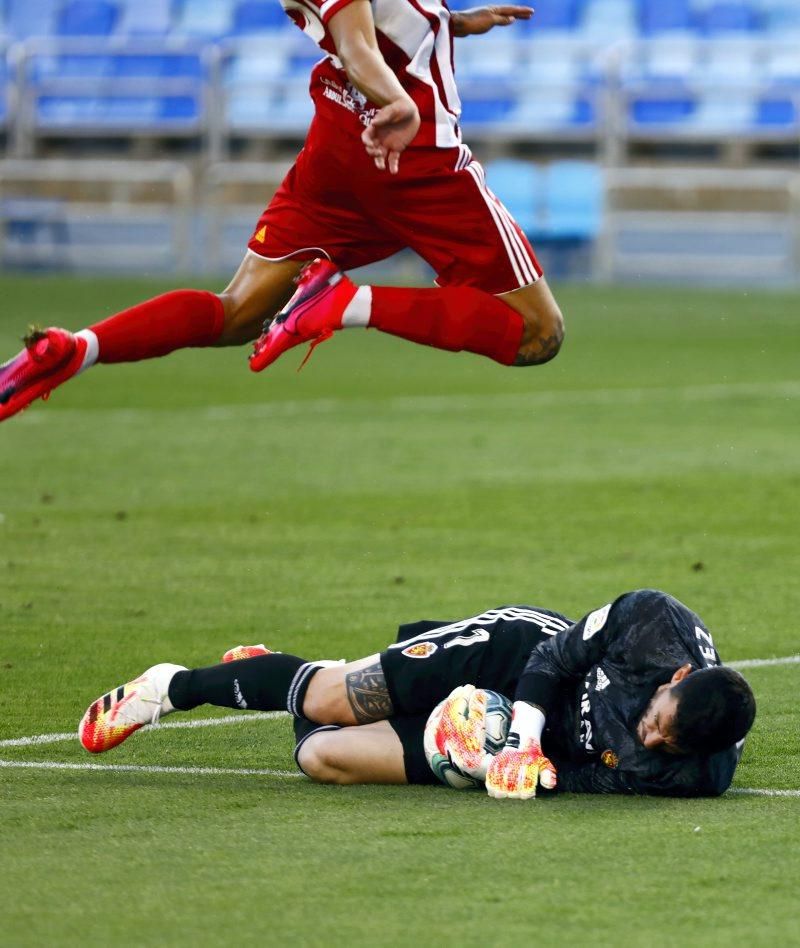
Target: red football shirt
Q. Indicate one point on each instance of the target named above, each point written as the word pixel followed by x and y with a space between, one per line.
pixel 415 39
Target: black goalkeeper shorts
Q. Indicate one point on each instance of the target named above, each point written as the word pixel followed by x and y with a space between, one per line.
pixel 489 650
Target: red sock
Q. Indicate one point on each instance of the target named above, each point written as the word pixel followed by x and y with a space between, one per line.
pixel 175 320
pixel 454 317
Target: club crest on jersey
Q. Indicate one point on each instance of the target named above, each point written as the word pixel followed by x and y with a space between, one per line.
pixel 610 759
pixel 420 649
pixel 595 621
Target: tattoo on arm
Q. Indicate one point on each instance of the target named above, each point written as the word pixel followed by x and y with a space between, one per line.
pixel 368 694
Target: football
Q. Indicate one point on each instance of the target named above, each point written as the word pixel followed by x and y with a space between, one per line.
pixel 498 719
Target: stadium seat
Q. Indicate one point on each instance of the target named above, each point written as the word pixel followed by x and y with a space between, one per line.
pixel 122 113
pixel 573 201
pixel 730 61
pixel 518 184
pixel 605 18
pixel 719 113
pixel 659 16
pixel 481 107
pixel 782 18
pixel 86 18
pixel 258 16
pixel 656 110
pixel 491 59
pixel 145 18
pixel 732 16
pixel 559 15
pixel 209 19
pixel 671 57
pixel 775 112
pixel 27 18
pixel 254 61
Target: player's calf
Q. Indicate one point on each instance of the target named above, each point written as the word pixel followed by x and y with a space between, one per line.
pixel 543 331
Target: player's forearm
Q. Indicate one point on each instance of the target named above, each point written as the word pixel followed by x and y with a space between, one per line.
pixel 367 70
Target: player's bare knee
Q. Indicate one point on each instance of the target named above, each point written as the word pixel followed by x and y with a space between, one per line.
pixel 319 759
pixel 542 336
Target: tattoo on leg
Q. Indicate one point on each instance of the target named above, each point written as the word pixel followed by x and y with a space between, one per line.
pixel 368 695
pixel 539 350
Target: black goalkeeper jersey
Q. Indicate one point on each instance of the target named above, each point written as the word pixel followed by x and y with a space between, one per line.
pixel 594 682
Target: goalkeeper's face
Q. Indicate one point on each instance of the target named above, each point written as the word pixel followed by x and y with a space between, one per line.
pixel 656 728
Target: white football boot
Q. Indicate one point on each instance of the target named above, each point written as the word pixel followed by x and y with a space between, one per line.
pixel 112 718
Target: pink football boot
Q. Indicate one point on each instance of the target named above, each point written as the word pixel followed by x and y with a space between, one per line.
pixel 50 357
pixel 312 315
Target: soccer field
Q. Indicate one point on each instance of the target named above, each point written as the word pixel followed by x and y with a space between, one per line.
pixel 169 510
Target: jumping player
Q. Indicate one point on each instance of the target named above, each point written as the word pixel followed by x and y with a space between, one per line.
pixel 385 89
pixel 630 699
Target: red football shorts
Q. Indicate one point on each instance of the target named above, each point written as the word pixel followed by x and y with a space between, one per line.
pixel 334 202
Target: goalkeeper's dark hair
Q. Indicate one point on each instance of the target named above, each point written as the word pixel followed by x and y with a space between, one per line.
pixel 716 708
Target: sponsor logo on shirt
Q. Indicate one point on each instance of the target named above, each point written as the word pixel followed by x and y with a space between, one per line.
pixel 348 97
pixel 420 650
pixel 602 679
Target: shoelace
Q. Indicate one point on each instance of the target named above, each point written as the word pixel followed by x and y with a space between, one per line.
pixel 124 718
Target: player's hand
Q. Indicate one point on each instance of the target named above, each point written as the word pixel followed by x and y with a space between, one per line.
pixel 482 19
pixel 390 132
pixel 517 772
pixel 462 728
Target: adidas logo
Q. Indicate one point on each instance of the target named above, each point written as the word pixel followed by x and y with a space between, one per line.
pixel 602 680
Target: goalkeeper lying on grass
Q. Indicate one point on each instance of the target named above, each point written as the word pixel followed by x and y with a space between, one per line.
pixel 630 699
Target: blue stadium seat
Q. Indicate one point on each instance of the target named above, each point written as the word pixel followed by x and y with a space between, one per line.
pixel 782 18
pixel 552 15
pixel 573 200
pixel 604 18
pixel 487 109
pixel 87 18
pixel 159 65
pixel 117 113
pixel 659 16
pixel 717 112
pixel 655 110
pixel 776 112
pixel 302 59
pixel 209 19
pixel 26 18
pixel 145 18
pixel 731 16
pixel 518 184
pixel 258 16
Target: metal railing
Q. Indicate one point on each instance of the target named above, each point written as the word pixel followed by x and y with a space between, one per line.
pixel 96 215
pixel 701 225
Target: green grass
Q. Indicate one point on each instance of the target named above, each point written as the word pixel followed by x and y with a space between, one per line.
pixel 168 510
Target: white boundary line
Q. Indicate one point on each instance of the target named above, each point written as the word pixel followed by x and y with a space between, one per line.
pixel 765 662
pixel 168 726
pixel 148 769
pixel 760 792
pixel 255 772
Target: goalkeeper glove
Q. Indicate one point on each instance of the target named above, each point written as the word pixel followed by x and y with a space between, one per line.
pixel 461 730
pixel 521 766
